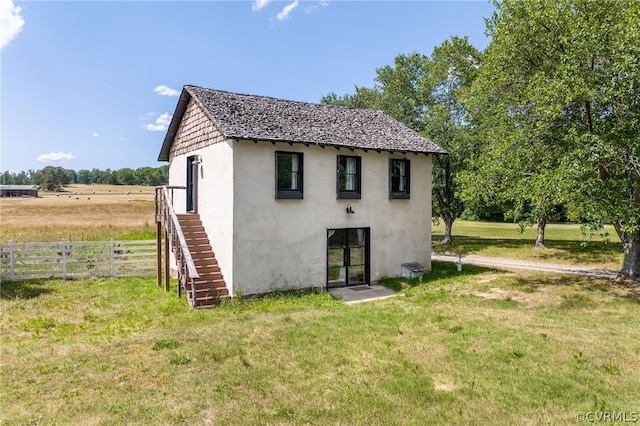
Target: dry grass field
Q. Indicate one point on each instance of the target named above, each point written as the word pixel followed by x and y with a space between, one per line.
pixel 79 213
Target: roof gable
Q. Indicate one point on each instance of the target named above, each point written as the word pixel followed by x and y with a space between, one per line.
pixel 262 118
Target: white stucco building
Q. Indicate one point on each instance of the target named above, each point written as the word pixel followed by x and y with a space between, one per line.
pixel 297 195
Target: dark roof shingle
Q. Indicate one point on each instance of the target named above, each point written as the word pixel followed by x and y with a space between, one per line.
pixel 264 118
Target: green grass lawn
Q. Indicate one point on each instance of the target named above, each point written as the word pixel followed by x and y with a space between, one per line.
pixel 565 243
pixel 477 347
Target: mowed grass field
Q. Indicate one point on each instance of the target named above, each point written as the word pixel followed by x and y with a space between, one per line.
pixel 565 243
pixel 477 347
pixel 481 346
pixel 79 213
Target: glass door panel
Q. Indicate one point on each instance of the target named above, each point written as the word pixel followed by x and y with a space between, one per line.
pixel 337 237
pixel 357 256
pixel 337 271
pixel 356 275
pixel 347 257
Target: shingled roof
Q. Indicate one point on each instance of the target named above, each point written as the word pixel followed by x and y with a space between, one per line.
pixel 261 118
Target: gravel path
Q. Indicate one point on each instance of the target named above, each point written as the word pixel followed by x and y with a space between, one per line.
pixel 518 264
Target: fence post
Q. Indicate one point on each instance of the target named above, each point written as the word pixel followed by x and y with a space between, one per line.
pixel 64 260
pixel 112 268
pixel 11 260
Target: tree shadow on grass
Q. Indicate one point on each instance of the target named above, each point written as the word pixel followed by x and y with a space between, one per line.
pixel 439 271
pixel 23 290
pixel 558 251
pixel 620 289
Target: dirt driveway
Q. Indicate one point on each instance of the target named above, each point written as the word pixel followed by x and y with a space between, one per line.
pixel 535 266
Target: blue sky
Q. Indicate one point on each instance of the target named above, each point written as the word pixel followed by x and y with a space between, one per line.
pixel 88 84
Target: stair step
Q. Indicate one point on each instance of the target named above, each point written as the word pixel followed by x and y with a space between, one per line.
pixel 203 283
pixel 210 292
pixel 193 233
pixel 209 268
pixel 208 295
pixel 198 244
pixel 212 303
pixel 192 229
pixel 205 261
pixel 201 295
pixel 209 271
pixel 202 254
pixel 190 223
pixel 210 288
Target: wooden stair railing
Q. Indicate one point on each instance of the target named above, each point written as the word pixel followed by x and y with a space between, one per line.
pixel 166 215
pixel 210 287
pixel 198 271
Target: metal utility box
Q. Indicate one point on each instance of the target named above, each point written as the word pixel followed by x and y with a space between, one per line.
pixel 412 270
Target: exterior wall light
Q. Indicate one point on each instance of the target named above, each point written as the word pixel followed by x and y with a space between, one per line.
pixel 349 210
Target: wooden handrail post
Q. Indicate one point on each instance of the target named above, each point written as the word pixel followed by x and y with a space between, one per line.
pixel 167 269
pixel 159 252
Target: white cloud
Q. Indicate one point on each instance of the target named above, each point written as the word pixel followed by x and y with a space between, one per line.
pixel 166 91
pixel 259 4
pixel 284 13
pixel 161 124
pixel 11 22
pixel 312 8
pixel 95 134
pixel 56 157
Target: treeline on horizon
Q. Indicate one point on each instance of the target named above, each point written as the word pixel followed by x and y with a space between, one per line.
pixel 53 178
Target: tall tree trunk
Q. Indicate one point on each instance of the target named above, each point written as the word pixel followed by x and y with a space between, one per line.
pixel 631 262
pixel 448 224
pixel 542 223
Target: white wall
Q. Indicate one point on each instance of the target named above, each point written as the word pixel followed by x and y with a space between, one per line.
pixel 281 244
pixel 215 198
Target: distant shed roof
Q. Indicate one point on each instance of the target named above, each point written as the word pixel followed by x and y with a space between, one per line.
pixel 19 187
pixel 18 191
pixel 262 118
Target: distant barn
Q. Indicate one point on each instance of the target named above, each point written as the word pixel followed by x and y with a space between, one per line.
pixel 18 191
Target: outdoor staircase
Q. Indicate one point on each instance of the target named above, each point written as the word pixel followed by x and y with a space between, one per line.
pixel 210 288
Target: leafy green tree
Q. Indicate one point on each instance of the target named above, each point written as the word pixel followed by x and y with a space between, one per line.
pixel 72 176
pixel 404 91
pixel 564 76
pixel 84 176
pixel 426 94
pixel 363 97
pixel 7 178
pixel 152 176
pixel 111 177
pixel 51 178
pixel 517 170
pixel 125 177
pixel 451 72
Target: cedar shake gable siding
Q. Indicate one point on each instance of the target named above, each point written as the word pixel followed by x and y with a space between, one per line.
pixel 195 131
pixel 261 118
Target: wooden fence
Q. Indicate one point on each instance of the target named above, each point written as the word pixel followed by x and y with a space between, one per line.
pixel 66 259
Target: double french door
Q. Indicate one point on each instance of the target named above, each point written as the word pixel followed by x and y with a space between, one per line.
pixel 347 257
